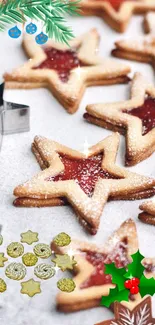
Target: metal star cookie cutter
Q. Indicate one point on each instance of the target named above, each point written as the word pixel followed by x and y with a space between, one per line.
pixel 14 117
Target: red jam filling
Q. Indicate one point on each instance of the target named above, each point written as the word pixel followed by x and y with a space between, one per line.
pixel 146 113
pixel 85 171
pixel 115 3
pixel 98 277
pixel 60 61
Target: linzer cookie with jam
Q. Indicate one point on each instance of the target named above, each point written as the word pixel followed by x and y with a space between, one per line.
pixel 135 118
pixel 91 281
pixel 66 71
pixel 148 212
pixel 141 49
pixel 116 13
pixel 85 181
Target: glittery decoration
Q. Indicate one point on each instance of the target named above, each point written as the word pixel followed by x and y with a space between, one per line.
pixel 62 239
pixel 31 28
pixel 44 271
pixel 42 250
pixel 41 38
pixel 1 239
pixel 67 285
pixel 15 249
pixel 15 271
pixel 64 262
pixel 29 259
pixel 14 32
pixel 29 237
pixel 3 286
pixel 2 259
pixel 30 288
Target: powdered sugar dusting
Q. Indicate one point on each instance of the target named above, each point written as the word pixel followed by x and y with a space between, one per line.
pixel 118 255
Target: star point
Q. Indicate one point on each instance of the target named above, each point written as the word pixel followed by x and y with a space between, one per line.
pixel 3 259
pixel 133 49
pixel 148 212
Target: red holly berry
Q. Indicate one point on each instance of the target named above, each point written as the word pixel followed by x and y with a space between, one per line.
pixel 134 290
pixel 128 284
pixel 135 282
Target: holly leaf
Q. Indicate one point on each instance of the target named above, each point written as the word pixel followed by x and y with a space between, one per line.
pixel 135 269
pixel 115 295
pixel 117 275
pixel 147 286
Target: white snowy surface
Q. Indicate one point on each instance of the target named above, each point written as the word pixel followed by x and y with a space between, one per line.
pixel 17 164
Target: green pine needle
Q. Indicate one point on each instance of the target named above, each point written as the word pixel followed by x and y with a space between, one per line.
pixel 50 12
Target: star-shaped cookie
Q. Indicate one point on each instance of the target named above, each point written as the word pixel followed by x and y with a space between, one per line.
pixel 91 282
pixel 140 315
pixel 64 262
pixel 66 71
pixel 3 259
pixel 135 118
pixel 30 288
pixel 148 214
pixel 85 182
pixel 116 13
pixel 141 49
pixel 29 237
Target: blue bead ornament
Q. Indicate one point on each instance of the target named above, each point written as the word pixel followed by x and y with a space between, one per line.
pixel 14 32
pixel 31 28
pixel 41 38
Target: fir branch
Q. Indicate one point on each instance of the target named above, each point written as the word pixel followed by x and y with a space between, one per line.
pixel 50 12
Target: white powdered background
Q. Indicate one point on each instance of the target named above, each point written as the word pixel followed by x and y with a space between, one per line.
pixel 17 164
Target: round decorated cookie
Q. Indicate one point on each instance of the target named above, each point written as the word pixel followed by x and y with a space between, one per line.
pixel 15 249
pixel 15 271
pixel 44 271
pixel 42 250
